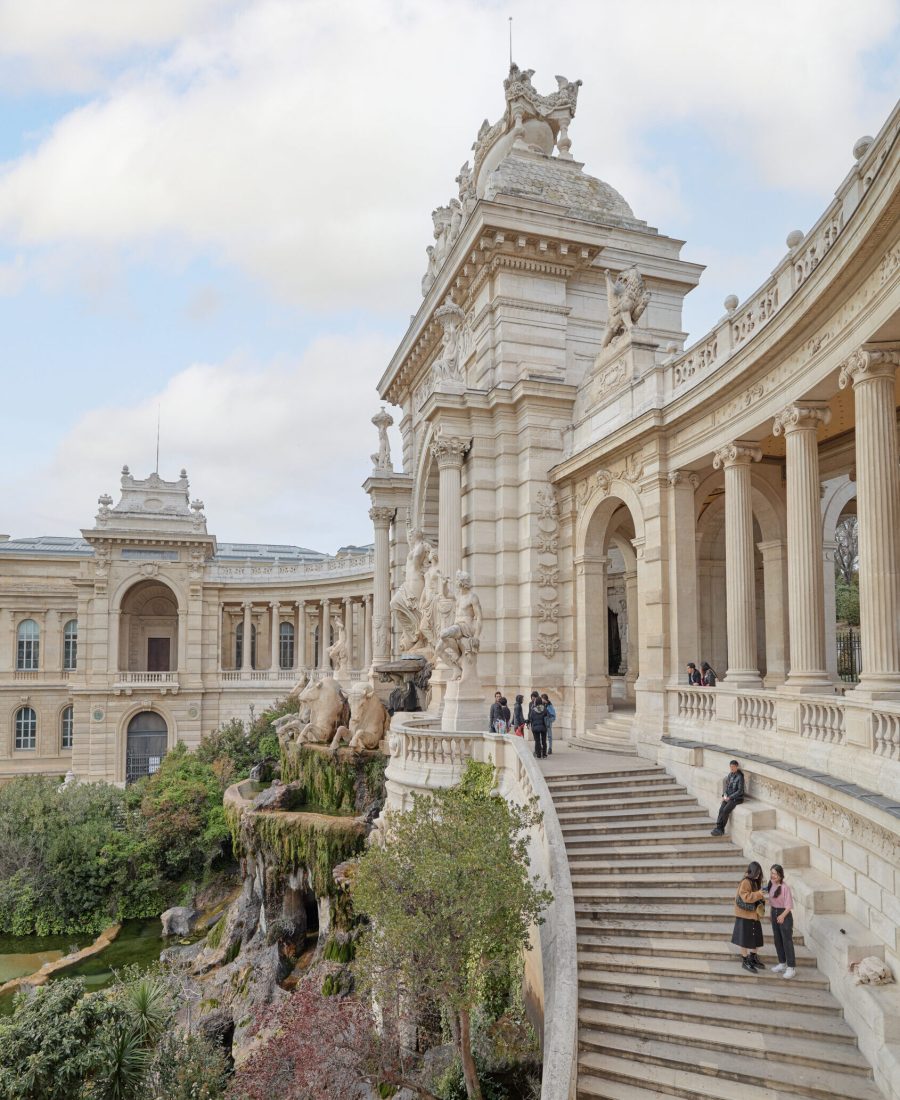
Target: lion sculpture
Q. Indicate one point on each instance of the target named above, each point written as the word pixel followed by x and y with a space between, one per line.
pixel 369 720
pixel 325 707
pixel 626 298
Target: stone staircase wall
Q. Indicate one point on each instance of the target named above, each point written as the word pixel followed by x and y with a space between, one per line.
pixel 842 860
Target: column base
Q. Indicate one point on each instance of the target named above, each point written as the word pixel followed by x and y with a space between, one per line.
pixel 819 683
pixel 742 678
pixel 875 688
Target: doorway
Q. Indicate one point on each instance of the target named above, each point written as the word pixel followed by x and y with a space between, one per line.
pixel 158 654
pixel 146 744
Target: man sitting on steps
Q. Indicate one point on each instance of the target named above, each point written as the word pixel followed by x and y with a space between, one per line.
pixel 732 795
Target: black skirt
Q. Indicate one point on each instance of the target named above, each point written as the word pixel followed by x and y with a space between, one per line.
pixel 747 933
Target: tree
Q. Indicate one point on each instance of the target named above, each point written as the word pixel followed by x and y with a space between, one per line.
pixel 846 555
pixel 450 903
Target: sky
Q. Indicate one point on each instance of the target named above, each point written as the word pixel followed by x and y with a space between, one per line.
pixel 215 212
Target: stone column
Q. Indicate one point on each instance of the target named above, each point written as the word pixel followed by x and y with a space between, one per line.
pixel 348 629
pixel 300 636
pixel 274 612
pixel 381 518
pixel 246 646
pixel 449 452
pixel 633 648
pixel 831 662
pixel 775 611
pixel 591 641
pixel 324 634
pixel 684 611
pixel 806 595
pixel 367 633
pixel 872 373
pixel 740 577
pixel 180 662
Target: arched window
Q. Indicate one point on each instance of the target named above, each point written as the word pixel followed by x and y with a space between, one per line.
pixel 29 645
pixel 66 727
pixel 70 645
pixel 239 646
pixel 26 728
pixel 286 645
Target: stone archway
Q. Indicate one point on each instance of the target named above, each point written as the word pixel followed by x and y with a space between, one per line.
pixel 148 628
pixel 610 519
pixel 146 743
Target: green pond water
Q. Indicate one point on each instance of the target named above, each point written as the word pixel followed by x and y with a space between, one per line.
pixel 138 942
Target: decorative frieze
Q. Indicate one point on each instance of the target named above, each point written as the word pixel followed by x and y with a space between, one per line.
pixel 548 571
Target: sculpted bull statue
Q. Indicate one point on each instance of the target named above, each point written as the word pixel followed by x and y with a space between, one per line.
pixel 323 707
pixel 369 720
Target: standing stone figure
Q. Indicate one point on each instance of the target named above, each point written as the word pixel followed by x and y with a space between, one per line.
pixel 459 643
pixel 340 653
pixel 382 460
pixel 405 602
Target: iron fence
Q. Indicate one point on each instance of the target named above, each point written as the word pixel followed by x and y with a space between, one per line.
pixel 849 656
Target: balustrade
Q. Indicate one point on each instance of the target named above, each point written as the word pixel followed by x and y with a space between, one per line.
pixel 147 678
pixel 886 734
pixel 822 722
pixel 697 705
pixel 756 712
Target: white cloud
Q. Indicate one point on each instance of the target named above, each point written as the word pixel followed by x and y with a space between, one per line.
pixel 305 143
pixel 277 451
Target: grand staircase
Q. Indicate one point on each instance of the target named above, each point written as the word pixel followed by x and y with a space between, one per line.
pixel 665 1009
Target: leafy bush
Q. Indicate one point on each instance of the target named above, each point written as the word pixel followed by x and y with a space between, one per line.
pixel 189 1068
pixel 847 603
pixel 245 744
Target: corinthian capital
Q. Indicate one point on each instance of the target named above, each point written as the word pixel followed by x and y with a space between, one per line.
pixel 736 454
pixel 381 517
pixel 450 450
pixel 801 415
pixel 868 363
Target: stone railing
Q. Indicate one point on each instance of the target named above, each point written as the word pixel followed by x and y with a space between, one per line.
pixel 425 757
pixel 886 734
pixel 822 721
pixel 854 740
pixel 350 565
pixel 696 704
pixel 805 253
pixel 147 679
pixel 26 674
pixel 756 711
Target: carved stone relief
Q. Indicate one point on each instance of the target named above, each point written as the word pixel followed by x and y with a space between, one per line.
pixel 547 537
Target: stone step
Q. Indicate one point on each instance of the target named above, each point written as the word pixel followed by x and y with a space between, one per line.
pixel 696 823
pixel 620 794
pixel 720 969
pixel 746 989
pixel 775 1020
pixel 671 914
pixel 655 925
pixel 671 812
pixel 799 1050
pixel 703 850
pixel 646 771
pixel 643 781
pixel 650 842
pixel 636 893
pixel 676 948
pixel 659 877
pixel 597 1089
pixel 595 743
pixel 631 1060
pixel 666 868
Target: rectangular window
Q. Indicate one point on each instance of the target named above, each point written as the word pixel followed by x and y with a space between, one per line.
pixel 28 654
pixel 68 725
pixel 286 656
pixel 26 729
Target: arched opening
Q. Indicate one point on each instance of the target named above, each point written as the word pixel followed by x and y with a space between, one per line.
pixel 148 630
pixel 67 727
pixel 608 610
pixel 146 742
pixel 28 646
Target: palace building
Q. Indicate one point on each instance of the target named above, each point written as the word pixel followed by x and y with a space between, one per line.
pixel 116 645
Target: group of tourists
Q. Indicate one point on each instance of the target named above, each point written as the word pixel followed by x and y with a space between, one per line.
pixel 539 718
pixel 752 895
pixel 704 676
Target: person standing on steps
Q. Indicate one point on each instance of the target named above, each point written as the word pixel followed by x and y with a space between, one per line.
pixel 781 905
pixel 518 717
pixel 732 795
pixel 551 718
pixel 537 719
pixel 749 908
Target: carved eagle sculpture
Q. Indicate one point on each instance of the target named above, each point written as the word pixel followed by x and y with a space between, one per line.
pixel 627 299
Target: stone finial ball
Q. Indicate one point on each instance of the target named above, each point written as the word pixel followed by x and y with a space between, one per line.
pixel 794 238
pixel 731 303
pixel 862 146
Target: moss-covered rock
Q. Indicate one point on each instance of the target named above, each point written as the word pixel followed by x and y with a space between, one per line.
pixel 335 783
